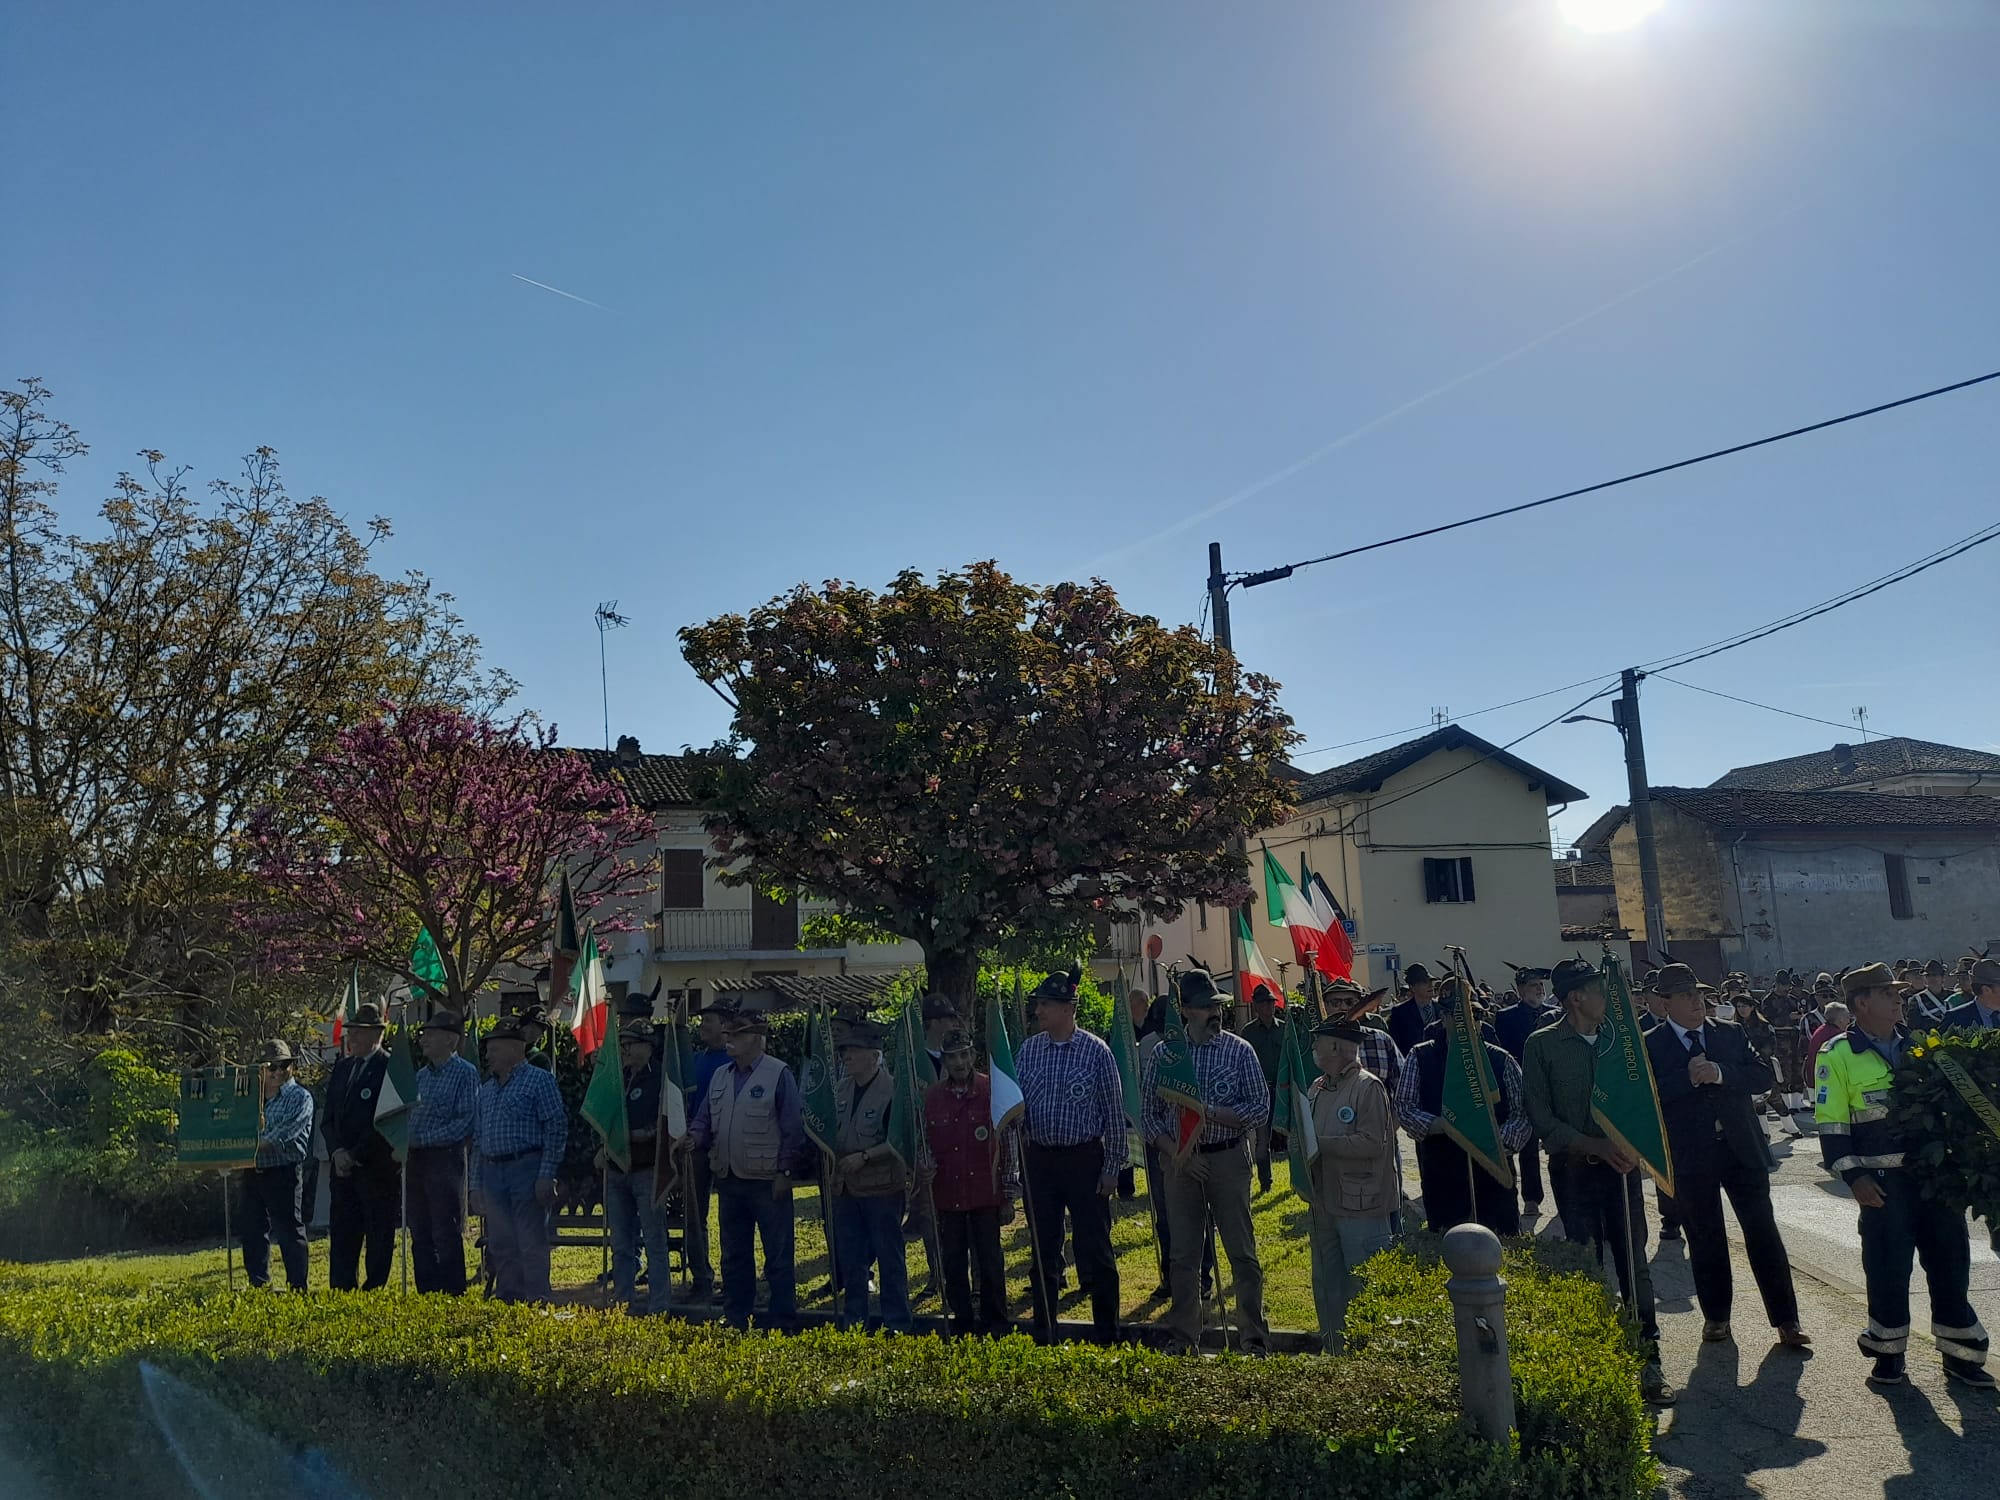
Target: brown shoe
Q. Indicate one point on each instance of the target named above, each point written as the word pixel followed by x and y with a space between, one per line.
pixel 1794 1337
pixel 1714 1332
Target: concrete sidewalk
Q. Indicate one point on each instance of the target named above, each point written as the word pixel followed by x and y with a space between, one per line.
pixel 1758 1420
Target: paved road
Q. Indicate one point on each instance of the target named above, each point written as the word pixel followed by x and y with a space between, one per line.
pixel 1757 1420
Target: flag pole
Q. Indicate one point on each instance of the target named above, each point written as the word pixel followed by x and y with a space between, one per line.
pixel 1629 1283
pixel 228 1238
pixel 1037 1272
pixel 403 1174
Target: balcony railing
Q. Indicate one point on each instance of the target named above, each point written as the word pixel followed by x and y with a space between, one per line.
pixel 738 929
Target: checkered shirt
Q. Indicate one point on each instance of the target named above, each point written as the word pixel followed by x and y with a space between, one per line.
pixel 288 1126
pixel 521 1114
pixel 1072 1094
pixel 1230 1076
pixel 446 1095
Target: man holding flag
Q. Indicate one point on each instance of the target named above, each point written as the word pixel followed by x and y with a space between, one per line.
pixel 1574 1069
pixel 974 1184
pixel 519 1132
pixel 628 1104
pixel 1205 1096
pixel 367 1183
pixel 1464 1125
pixel 869 1179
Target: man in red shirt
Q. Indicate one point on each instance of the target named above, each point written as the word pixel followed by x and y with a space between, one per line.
pixel 974 1190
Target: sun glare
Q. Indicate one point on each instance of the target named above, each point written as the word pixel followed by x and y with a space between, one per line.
pixel 1607 15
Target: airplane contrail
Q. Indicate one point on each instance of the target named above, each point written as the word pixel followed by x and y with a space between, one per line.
pixel 558 291
pixel 1270 481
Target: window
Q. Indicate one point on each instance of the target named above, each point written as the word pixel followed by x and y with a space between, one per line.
pixel 1447 880
pixel 680 879
pixel 1899 887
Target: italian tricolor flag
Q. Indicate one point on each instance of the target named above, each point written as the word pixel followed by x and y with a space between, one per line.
pixel 590 998
pixel 1254 971
pixel 1003 1077
pixel 1290 910
pixel 349 1004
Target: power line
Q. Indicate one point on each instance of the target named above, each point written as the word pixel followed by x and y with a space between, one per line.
pixel 1752 702
pixel 1272 575
pixel 1455 718
pixel 1957 549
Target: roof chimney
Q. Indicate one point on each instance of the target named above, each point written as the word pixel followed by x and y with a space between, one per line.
pixel 628 750
pixel 1843 758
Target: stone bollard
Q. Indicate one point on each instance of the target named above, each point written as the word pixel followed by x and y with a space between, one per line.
pixel 1478 1305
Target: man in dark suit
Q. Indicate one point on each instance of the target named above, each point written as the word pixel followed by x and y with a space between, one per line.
pixel 1982 1011
pixel 367 1187
pixel 1708 1076
pixel 1415 1012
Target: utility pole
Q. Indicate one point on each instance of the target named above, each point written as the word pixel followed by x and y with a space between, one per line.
pixel 1627 710
pixel 1218 606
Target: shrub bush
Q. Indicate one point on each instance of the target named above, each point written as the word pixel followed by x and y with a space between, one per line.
pixel 439 1397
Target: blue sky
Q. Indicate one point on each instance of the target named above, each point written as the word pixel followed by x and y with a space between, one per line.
pixel 889 285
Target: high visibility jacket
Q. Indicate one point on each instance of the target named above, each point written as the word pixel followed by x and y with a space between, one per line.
pixel 1851 1106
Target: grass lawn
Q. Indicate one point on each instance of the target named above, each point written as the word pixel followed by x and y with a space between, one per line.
pixel 1281 1239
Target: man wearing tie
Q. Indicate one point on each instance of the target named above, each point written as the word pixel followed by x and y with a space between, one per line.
pixel 1982 1011
pixel 1708 1076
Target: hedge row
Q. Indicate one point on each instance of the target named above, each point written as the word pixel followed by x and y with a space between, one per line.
pixel 441 1397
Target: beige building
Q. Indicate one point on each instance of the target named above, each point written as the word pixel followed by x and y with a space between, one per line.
pixel 1443 840
pixel 696 933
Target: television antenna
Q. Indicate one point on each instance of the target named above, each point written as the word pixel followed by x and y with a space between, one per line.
pixel 608 619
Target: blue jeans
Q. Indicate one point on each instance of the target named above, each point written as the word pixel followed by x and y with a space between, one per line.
pixel 517 1229
pixel 868 1233
pixel 745 1212
pixel 635 1218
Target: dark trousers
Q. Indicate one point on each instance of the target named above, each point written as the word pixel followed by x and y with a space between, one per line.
pixel 437 1218
pixel 1261 1154
pixel 1459 1191
pixel 746 1212
pixel 1588 1197
pixel 697 1187
pixel 269 1205
pixel 1749 1188
pixel 1670 1210
pixel 1529 1168
pixel 969 1239
pixel 366 1205
pixel 1064 1178
pixel 1909 1226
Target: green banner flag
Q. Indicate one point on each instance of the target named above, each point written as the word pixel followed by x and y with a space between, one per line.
pixel 1625 1100
pixel 428 966
pixel 1178 1083
pixel 818 1071
pixel 399 1089
pixel 907 1137
pixel 1470 1091
pixel 1291 1106
pixel 1125 1053
pixel 604 1100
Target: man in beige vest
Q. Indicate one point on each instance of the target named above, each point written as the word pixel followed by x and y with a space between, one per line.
pixel 755 1138
pixel 868 1186
pixel 1355 1185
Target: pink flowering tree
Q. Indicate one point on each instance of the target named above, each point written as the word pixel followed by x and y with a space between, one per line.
pixel 430 816
pixel 971 761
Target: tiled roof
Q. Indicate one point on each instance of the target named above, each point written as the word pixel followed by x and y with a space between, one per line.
pixel 1583 872
pixel 652 781
pixel 1856 765
pixel 1753 809
pixel 796 991
pixel 1368 773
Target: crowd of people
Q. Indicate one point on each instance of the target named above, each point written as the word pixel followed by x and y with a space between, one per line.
pixel 1813 1055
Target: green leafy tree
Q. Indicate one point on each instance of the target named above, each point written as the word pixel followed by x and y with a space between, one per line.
pixel 971 759
pixel 160 677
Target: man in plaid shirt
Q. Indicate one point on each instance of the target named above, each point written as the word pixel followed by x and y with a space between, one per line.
pixel 270 1196
pixel 519 1132
pixel 1075 1126
pixel 1212 1181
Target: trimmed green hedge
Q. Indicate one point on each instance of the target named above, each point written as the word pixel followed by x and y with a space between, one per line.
pixel 418 1397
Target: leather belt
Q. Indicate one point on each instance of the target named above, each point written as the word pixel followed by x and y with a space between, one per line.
pixel 1229 1145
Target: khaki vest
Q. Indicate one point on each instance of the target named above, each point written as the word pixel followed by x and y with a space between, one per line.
pixel 863 1125
pixel 745 1121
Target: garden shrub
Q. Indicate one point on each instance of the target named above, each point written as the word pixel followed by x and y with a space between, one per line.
pixel 433 1396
